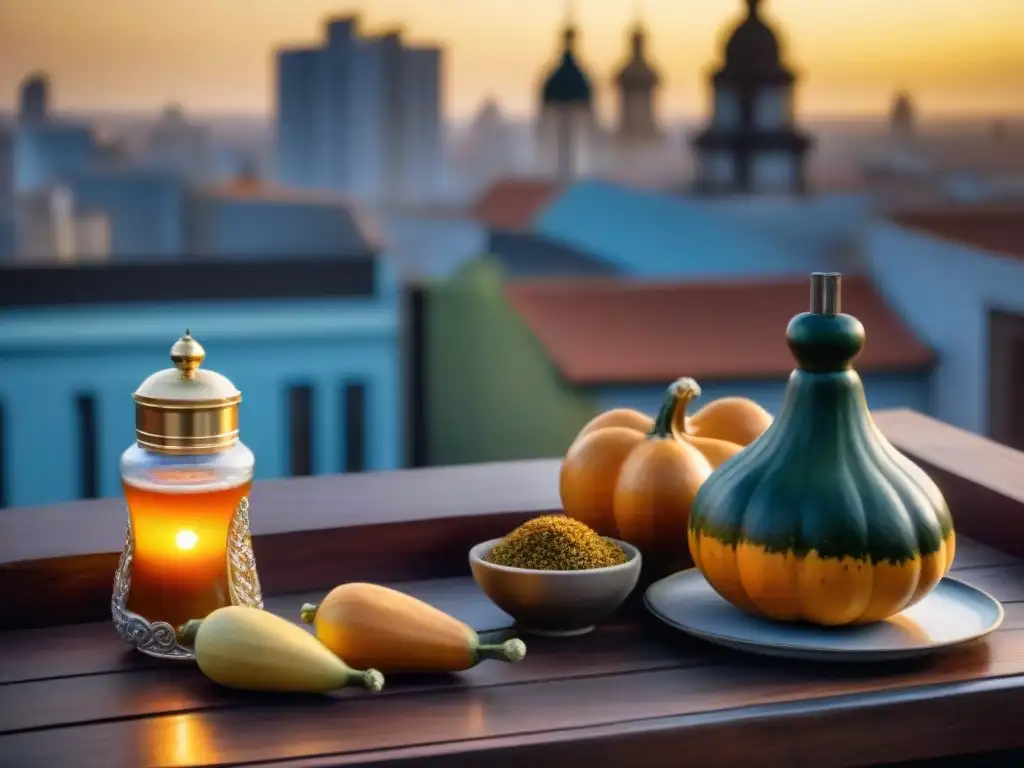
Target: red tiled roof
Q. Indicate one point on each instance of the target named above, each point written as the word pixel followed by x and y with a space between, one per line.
pixel 610 331
pixel 993 227
pixel 511 204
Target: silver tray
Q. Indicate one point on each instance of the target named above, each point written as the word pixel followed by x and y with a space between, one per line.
pixel 953 613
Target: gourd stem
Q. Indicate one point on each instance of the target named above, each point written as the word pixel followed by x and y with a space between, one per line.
pixel 371 679
pixel 308 612
pixel 825 296
pixel 678 397
pixel 511 650
pixel 186 633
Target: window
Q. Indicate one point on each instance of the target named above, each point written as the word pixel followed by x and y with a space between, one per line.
pixel 88 448
pixel 773 109
pixel 300 430
pixel 727 109
pixel 353 409
pixel 3 461
pixel 1006 378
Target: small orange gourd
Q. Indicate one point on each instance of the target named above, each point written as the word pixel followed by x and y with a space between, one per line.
pixel 658 482
pixel 592 466
pixel 398 632
pixel 733 419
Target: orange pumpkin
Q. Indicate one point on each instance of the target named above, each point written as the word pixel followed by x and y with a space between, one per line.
pixel 594 467
pixel 618 417
pixel 734 419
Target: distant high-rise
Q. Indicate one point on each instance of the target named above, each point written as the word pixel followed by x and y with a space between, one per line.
pixel 751 144
pixel 566 128
pixel 297 81
pixel 901 117
pixel 34 98
pixel 637 83
pixel 360 115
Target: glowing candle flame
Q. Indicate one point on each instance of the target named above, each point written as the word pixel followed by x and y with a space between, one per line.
pixel 186 539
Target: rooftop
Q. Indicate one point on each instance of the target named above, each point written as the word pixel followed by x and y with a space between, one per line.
pixel 998 228
pixel 611 331
pixel 512 204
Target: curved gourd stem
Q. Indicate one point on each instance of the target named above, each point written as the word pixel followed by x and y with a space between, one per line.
pixel 671 420
pixel 308 612
pixel 511 650
pixel 186 633
pixel 370 679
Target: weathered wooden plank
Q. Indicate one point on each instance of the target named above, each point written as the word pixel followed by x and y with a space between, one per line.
pixel 282 729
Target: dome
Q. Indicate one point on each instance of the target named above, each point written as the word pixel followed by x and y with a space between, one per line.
pixel 753 49
pixel 637 73
pixel 567 84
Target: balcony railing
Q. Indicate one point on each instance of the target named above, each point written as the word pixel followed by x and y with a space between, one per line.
pixel 628 694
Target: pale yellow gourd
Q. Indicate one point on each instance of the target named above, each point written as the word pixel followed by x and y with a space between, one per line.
pixel 371 625
pixel 253 650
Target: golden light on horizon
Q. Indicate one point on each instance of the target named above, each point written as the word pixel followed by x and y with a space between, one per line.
pixel 956 56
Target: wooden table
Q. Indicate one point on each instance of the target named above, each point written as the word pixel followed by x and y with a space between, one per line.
pixel 630 694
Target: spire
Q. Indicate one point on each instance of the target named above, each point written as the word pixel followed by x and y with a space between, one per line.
pixel 752 7
pixel 638 37
pixel 638 40
pixel 569 31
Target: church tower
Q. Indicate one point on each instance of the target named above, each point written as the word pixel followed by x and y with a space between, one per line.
pixel 751 144
pixel 637 83
pixel 566 127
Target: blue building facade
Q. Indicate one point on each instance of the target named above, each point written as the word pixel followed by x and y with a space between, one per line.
pixel 66 412
pixel 945 291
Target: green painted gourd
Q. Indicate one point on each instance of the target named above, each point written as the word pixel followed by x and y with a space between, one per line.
pixel 821 519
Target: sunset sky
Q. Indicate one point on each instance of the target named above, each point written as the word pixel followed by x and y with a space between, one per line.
pixel 956 56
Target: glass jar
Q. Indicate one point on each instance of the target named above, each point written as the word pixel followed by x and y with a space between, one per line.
pixel 188 548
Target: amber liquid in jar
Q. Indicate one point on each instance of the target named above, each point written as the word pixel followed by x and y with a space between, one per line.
pixel 180 522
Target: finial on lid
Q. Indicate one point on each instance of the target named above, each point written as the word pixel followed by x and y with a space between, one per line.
pixel 187 354
pixel 825 296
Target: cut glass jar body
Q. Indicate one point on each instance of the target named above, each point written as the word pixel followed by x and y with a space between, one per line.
pixel 188 547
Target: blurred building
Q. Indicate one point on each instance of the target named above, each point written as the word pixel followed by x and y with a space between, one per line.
pixel 51 226
pixel 248 218
pixel 360 115
pixel 34 98
pixel 567 131
pixel 508 210
pixel 46 152
pixel 7 134
pixel 312 343
pixel 752 144
pixel 666 236
pixel 637 82
pixel 556 353
pixel 487 151
pixel 956 273
pixel 179 146
pixel 145 209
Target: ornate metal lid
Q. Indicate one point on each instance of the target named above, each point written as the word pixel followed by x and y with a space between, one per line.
pixel 185 382
pixel 184 409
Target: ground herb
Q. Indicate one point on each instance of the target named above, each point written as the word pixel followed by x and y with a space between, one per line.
pixel 556 543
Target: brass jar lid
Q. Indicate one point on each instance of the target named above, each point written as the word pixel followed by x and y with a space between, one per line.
pixel 185 410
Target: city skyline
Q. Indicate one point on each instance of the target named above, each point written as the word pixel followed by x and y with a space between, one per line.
pixel 216 56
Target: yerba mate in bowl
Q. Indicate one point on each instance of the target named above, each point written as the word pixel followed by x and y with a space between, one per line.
pixel 556 576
